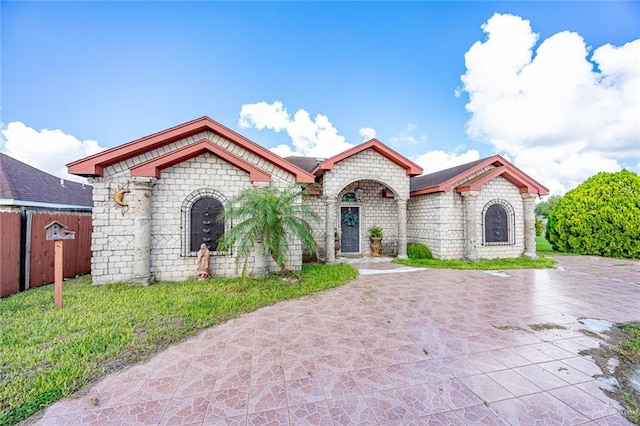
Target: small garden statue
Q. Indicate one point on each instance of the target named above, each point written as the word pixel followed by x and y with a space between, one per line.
pixel 203 262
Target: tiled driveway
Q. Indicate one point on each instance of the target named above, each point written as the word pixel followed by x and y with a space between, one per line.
pixel 427 347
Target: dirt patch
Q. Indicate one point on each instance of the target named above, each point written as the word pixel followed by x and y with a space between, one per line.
pixel 546 326
pixel 611 356
pixel 510 328
pixel 590 333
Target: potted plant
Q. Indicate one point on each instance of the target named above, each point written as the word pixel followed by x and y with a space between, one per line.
pixel 375 235
pixel 337 242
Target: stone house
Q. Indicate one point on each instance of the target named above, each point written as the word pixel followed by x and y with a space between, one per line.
pixel 172 185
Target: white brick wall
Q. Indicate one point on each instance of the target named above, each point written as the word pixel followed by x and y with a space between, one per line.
pixel 500 188
pixel 113 233
pixel 373 173
pixel 437 220
pixel 367 165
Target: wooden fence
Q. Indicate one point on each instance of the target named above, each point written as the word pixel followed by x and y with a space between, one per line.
pixel 32 255
pixel 9 253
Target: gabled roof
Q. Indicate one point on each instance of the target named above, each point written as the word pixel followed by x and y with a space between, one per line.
pixel 94 165
pixel 411 168
pixel 444 180
pixel 153 167
pixel 23 185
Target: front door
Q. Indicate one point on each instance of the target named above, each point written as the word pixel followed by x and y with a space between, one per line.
pixel 350 229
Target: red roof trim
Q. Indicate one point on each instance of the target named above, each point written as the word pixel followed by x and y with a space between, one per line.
pixel 94 165
pixel 411 168
pixel 502 167
pixel 153 168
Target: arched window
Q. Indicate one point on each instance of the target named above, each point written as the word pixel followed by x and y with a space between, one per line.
pixel 498 223
pixel 205 227
pixel 200 212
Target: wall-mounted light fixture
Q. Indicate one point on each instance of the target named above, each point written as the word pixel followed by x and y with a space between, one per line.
pixel 358 192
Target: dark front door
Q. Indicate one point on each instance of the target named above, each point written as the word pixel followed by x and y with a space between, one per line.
pixel 350 229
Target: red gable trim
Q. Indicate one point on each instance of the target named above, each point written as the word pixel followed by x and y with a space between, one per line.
pixel 94 165
pixel 502 168
pixel 153 168
pixel 476 183
pixel 411 168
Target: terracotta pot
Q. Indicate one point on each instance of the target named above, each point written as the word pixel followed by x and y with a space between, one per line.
pixel 337 246
pixel 376 246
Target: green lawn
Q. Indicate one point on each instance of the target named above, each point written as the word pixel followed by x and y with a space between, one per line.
pixel 543 246
pixel 483 264
pixel 48 353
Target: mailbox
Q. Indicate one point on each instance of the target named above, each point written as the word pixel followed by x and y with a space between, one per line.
pixel 57 231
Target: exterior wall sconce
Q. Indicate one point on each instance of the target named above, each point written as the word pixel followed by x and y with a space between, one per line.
pixel 358 193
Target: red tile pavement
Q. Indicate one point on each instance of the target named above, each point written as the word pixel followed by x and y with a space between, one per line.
pixel 411 347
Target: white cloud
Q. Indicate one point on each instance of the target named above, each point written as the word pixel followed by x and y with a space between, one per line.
pixel 47 150
pixel 367 133
pixel 310 137
pixel 560 118
pixel 406 136
pixel 433 161
pixel 262 115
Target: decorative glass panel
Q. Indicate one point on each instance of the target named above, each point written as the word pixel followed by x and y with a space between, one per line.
pixel 496 225
pixel 204 223
pixel 349 197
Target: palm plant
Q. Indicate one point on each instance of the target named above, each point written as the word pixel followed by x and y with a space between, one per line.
pixel 276 218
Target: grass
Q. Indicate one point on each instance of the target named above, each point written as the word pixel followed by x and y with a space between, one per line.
pixel 544 246
pixel 483 264
pixel 629 355
pixel 48 353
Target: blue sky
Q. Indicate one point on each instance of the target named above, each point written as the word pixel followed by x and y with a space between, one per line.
pixel 98 74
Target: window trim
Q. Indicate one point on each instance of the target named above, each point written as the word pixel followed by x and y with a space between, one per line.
pixel 185 223
pixel 511 223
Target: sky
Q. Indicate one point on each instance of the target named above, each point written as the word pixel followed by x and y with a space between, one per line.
pixel 554 87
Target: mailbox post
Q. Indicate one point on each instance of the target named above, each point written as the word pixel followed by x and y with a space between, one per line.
pixel 58 233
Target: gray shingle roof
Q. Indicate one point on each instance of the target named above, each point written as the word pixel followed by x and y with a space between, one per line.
pixel 436 178
pixel 21 182
pixel 305 163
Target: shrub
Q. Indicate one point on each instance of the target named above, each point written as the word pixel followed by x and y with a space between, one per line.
pixel 418 251
pixel 539 227
pixel 543 208
pixel 601 216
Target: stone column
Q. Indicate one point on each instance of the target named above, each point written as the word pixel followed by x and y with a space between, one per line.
pixel 471 225
pixel 330 256
pixel 142 230
pixel 528 201
pixel 402 228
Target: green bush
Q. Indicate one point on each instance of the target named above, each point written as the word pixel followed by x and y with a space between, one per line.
pixel 539 227
pixel 418 251
pixel 601 216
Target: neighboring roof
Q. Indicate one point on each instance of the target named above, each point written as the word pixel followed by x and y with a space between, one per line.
pixel 23 185
pixel 307 164
pixel 444 180
pixel 95 164
pixel 411 168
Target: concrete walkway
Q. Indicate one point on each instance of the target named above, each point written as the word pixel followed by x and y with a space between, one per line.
pixel 412 347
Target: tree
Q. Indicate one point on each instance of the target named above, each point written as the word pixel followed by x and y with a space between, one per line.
pixel 601 216
pixel 543 208
pixel 275 218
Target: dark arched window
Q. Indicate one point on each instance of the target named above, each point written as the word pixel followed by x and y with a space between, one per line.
pixel 205 227
pixel 496 225
pixel 498 220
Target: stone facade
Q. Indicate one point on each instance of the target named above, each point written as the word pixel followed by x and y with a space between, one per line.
pixel 164 174
pixel 115 227
pixel 438 221
pixel 373 174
